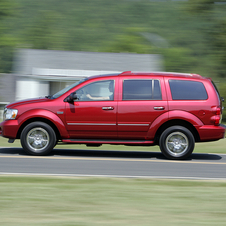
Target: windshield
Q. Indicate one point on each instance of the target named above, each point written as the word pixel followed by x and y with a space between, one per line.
pixel 61 92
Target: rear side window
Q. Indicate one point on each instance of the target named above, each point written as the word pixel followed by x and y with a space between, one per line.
pixel 219 97
pixel 141 89
pixel 187 90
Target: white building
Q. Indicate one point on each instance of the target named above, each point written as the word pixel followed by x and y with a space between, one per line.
pixel 44 72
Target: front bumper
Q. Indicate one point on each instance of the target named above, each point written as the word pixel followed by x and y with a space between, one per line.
pixel 9 129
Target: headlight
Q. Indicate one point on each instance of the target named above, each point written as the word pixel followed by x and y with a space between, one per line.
pixel 9 113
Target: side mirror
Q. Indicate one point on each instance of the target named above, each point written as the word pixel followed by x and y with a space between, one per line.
pixel 71 97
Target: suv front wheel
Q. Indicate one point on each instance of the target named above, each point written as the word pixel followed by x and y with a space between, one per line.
pixel 38 138
pixel 177 142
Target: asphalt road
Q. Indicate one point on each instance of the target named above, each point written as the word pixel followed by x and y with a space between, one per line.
pixel 112 164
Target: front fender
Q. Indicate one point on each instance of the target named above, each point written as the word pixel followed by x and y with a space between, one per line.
pixel 45 114
pixel 173 115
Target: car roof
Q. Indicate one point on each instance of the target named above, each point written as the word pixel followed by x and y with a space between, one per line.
pixel 162 74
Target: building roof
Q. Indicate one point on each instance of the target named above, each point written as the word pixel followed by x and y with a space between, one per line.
pixel 32 62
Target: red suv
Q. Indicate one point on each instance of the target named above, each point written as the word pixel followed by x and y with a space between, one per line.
pixel 172 110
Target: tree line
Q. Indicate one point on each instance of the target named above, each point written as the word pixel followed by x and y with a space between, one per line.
pixel 191 35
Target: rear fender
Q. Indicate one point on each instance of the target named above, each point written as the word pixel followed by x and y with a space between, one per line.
pixel 173 115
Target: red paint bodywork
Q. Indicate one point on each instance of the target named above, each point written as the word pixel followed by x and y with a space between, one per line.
pixel 128 122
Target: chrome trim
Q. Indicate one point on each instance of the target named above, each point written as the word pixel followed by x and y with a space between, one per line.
pixel 133 124
pixel 103 124
pixel 37 139
pixel 159 108
pixel 177 144
pixel 91 124
pixel 108 108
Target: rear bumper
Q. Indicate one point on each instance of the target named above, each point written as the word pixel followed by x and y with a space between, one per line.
pixel 211 132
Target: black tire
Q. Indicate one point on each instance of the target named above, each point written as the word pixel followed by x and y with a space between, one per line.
pixel 38 138
pixel 177 142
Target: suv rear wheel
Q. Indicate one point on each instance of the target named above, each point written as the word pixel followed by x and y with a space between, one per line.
pixel 177 142
pixel 38 138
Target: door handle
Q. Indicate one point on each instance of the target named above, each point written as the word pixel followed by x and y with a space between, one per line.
pixel 108 108
pixel 159 108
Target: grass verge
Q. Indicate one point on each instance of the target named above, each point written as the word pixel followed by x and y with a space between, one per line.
pixel 99 201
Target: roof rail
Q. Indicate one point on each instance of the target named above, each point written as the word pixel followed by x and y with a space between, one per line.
pixel 126 73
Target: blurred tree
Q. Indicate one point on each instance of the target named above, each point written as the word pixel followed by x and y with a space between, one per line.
pixel 215 29
pixel 116 26
pixel 200 5
pixel 129 41
pixel 7 42
pixel 6 8
pixel 179 59
pixel 45 34
pixel 222 89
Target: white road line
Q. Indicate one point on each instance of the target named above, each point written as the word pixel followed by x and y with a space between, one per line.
pixel 111 176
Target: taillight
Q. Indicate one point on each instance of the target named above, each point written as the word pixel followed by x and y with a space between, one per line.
pixel 216 119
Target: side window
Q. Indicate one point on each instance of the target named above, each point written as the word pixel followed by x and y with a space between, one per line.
pixel 187 90
pixel 97 91
pixel 141 89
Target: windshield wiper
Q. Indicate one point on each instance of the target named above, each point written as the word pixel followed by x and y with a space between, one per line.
pixel 49 96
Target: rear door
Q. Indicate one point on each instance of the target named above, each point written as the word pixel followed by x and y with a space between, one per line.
pixel 142 100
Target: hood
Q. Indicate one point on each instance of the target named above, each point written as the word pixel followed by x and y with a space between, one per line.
pixel 27 101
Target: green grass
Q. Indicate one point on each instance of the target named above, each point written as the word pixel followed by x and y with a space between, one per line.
pixel 58 201
pixel 206 147
pixel 86 201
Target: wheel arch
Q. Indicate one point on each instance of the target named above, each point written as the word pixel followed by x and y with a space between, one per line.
pixel 39 119
pixel 177 122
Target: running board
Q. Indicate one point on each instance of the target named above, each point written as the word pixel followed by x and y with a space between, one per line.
pixel 96 141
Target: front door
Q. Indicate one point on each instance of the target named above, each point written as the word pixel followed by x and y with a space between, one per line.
pixel 93 114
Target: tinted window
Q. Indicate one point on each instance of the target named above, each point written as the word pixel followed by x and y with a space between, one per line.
pixel 187 90
pixel 141 90
pixel 97 91
pixel 216 90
